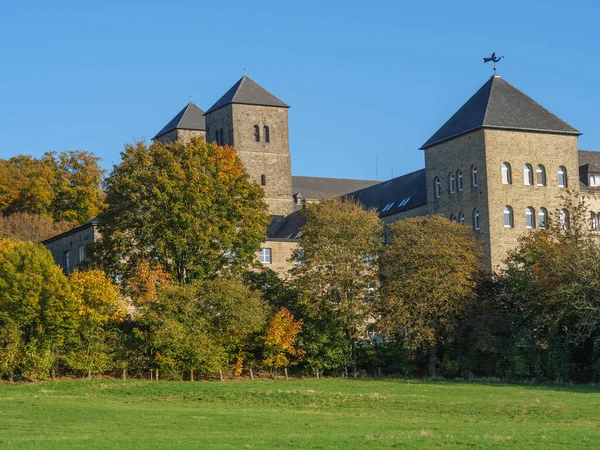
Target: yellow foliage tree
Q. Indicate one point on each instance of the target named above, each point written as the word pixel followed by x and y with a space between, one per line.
pixel 280 339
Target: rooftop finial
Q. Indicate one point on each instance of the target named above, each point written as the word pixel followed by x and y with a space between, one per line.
pixel 494 59
pixel 244 71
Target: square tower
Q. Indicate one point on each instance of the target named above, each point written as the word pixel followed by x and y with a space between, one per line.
pixel 255 123
pixel 500 165
pixel 187 124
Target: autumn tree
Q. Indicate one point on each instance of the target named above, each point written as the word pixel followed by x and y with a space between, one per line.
pixel 37 312
pixel 30 227
pixel 188 207
pixel 280 339
pixel 100 307
pixel 428 274
pixel 63 186
pixel 336 274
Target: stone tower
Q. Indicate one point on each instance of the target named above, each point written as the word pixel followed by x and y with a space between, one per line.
pixel 188 123
pixel 255 123
pixel 500 164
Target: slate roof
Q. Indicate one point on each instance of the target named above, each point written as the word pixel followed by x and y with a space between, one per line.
pixel 189 118
pixel 291 228
pixel 312 188
pixel 500 105
pixel 396 195
pixel 248 92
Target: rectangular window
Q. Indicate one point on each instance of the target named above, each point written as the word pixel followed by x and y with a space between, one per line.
pixel 264 255
pixel 81 253
pixel 66 262
pixel 594 180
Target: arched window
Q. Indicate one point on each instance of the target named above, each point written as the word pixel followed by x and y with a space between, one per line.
pixel 540 175
pixel 593 221
pixel 506 174
pixel 474 176
pixel 221 140
pixel 263 180
pixel 530 217
pixel 217 137
pixel 461 218
pixel 266 134
pixel 256 133
pixel 438 187
pixel 527 175
pixel 453 218
pixel 508 217
pixel 542 218
pixel 562 176
pixel 459 180
pixel 564 219
pixel 476 219
pixel 451 183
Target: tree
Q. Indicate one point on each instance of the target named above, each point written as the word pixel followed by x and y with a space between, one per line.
pixel 428 274
pixel 337 272
pixel 30 227
pixel 198 328
pixel 36 308
pixel 552 280
pixel 100 307
pixel 280 339
pixel 189 208
pixel 78 196
pixel 63 186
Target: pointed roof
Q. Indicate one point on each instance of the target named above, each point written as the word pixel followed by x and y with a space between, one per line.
pixel 500 105
pixel 189 118
pixel 247 92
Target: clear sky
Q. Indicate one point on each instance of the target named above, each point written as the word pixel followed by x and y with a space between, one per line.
pixel 365 80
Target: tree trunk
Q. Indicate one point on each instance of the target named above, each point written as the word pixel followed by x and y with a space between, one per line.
pixel 124 375
pixel 12 377
pixel 251 375
pixel 221 374
pixel 191 374
pixel 285 372
pixel 89 374
pixel 156 375
pixel 432 361
pixel 354 357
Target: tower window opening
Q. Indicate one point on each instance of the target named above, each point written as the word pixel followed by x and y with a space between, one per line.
pixel 266 134
pixel 474 176
pixel 562 176
pixel 263 180
pixel 540 172
pixel 256 133
pixel 508 217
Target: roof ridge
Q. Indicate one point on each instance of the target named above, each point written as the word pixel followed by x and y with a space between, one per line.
pixel 487 103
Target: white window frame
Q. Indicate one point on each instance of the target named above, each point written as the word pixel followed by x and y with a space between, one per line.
pixel 529 217
pixel 474 180
pixel 528 175
pixel 543 213
pixel 459 181
pixel 451 182
pixel 81 251
pixel 265 255
pixel 476 225
pixel 508 212
pixel 540 170
pixel 461 218
pixel 562 177
pixel 438 187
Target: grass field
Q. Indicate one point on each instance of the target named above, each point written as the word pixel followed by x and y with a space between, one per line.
pixel 326 413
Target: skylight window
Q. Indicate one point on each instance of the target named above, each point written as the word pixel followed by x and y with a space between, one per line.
pixel 404 202
pixel 388 207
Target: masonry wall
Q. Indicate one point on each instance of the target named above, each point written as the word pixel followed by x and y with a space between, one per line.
pixel 70 242
pixel 271 159
pixel 221 118
pixel 281 253
pixel 520 148
pixel 460 154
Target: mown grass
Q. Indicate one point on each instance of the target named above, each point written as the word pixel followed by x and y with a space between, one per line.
pixel 326 413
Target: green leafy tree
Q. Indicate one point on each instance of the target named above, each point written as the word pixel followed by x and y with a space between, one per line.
pixel 100 308
pixel 36 307
pixel 429 277
pixel 189 208
pixel 201 327
pixel 337 271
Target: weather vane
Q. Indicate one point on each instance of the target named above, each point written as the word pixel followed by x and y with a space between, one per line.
pixel 494 59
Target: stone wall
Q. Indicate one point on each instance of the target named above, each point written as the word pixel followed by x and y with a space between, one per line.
pixel 221 118
pixel 462 154
pixel 70 242
pixel 281 253
pixel 183 136
pixel 517 149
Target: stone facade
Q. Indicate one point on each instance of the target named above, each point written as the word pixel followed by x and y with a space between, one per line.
pixel 70 249
pixel 267 163
pixel 282 251
pixel 181 135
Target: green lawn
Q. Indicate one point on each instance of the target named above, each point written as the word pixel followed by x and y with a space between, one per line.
pixel 326 413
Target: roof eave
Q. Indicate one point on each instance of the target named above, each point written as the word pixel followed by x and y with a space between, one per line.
pixel 211 110
pixel 492 127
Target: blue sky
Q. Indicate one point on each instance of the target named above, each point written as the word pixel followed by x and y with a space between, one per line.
pixel 365 80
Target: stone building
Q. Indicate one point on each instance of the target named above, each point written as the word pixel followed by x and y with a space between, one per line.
pixel 499 165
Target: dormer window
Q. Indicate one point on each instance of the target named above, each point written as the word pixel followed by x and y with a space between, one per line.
pixel 595 180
